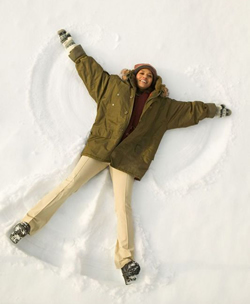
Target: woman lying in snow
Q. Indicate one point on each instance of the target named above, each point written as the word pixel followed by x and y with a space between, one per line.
pixel 133 113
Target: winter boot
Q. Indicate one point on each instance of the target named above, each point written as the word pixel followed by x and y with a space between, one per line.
pixel 130 272
pixel 19 231
pixel 66 40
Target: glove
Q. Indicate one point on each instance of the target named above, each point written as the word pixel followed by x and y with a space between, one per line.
pixel 66 40
pixel 222 111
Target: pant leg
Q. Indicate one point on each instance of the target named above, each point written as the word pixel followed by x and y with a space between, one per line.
pixel 123 185
pixel 41 213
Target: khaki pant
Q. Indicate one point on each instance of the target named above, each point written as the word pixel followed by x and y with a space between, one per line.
pixel 85 169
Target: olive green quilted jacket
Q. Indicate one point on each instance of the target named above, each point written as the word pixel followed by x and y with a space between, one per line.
pixel 115 97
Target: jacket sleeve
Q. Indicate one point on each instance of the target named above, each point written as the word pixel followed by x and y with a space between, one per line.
pixel 184 114
pixel 91 73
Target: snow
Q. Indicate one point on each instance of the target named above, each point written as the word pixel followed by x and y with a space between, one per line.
pixel 191 210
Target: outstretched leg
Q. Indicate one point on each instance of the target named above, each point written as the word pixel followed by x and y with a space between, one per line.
pixel 41 213
pixel 124 251
pixel 123 185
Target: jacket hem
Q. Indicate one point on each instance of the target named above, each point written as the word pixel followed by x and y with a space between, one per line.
pixel 127 171
pixel 94 157
pixel 108 161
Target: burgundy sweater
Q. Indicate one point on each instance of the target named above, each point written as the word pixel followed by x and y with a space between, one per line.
pixel 140 100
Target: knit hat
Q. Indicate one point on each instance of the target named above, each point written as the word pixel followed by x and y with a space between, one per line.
pixel 141 66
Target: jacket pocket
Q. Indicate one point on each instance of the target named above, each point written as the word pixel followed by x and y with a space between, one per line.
pixel 145 152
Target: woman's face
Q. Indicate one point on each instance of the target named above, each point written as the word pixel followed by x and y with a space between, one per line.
pixel 144 79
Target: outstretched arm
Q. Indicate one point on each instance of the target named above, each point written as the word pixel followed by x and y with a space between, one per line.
pixel 185 114
pixel 91 73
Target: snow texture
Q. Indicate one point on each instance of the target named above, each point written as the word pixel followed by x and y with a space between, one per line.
pixel 191 210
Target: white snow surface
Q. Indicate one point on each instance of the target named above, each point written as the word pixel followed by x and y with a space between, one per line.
pixel 191 210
